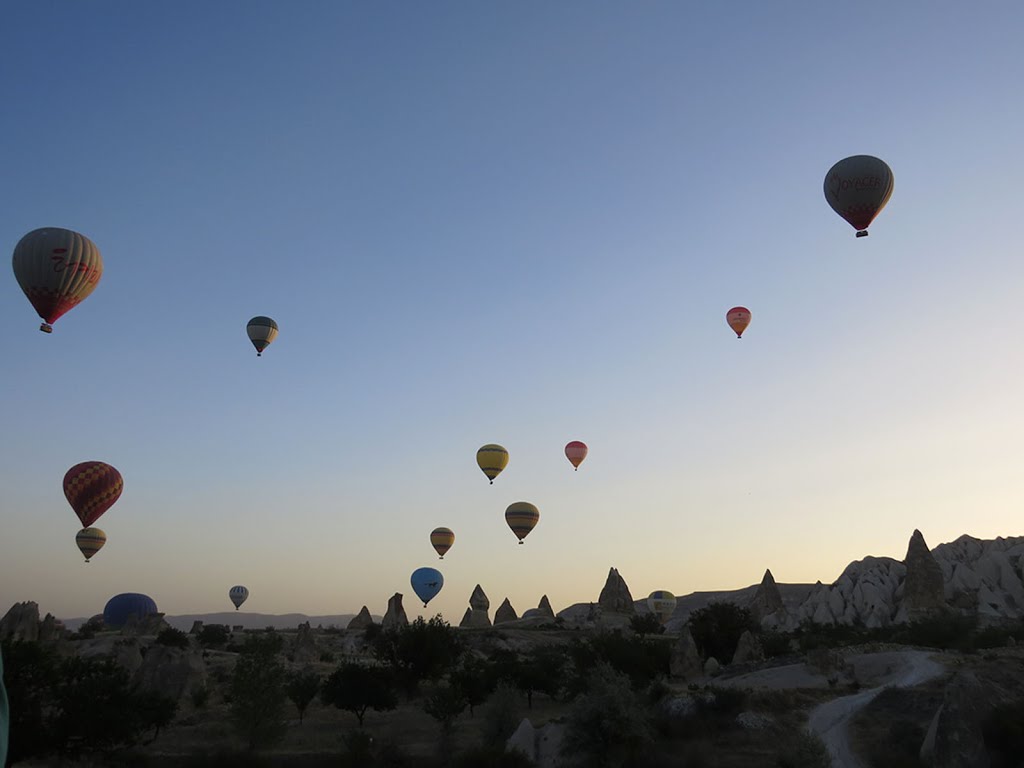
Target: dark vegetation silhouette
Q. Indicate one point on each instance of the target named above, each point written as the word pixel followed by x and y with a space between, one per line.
pixel 75 708
pixel 356 688
pixel 258 692
pixel 302 688
pixel 717 627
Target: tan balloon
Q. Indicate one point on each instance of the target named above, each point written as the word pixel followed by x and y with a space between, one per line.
pixel 57 269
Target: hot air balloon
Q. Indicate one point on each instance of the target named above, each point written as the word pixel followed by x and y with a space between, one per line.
pixel 91 488
pixel 858 188
pixel 442 539
pixel 57 269
pixel 522 517
pixel 120 607
pixel 576 452
pixel 426 583
pixel 262 331
pixel 662 604
pixel 738 319
pixel 238 595
pixel 492 459
pixel 90 541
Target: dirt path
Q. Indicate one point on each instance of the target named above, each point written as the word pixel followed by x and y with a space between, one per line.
pixel 830 720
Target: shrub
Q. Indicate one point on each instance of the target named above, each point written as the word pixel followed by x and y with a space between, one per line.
pixel 501 716
pixel 805 750
pixel 646 624
pixel 717 628
pixel 607 725
pixel 172 637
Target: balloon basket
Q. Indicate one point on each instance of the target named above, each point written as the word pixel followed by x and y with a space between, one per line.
pixel 46 328
pixel 862 233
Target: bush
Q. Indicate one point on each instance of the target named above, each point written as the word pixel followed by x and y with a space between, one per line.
pixel 213 636
pixel 717 628
pixel 501 715
pixel 805 750
pixel 258 695
pixel 646 624
pixel 607 725
pixel 356 688
pixel 172 637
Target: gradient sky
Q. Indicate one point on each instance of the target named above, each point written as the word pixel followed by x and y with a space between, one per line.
pixel 519 223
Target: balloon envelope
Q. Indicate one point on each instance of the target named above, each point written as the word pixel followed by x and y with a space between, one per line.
pixel 442 539
pixel 492 459
pixel 426 583
pixel 522 517
pixel 90 541
pixel 262 330
pixel 91 489
pixel 858 188
pixel 120 607
pixel 738 319
pixel 238 595
pixel 576 452
pixel 57 269
pixel 662 604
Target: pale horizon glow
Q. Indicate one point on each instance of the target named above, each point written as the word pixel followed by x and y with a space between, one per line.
pixel 520 225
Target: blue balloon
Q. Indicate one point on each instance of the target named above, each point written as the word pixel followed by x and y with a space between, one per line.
pixel 426 583
pixel 120 607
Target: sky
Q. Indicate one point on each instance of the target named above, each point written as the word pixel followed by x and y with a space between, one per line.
pixel 506 223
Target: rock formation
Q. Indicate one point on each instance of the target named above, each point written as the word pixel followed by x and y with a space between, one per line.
pixel 748 649
pixel 542 611
pixel 685 661
pixel 955 738
pixel 767 603
pixel 361 620
pixel 615 596
pixel 197 627
pixel 923 588
pixel 542 746
pixel 505 613
pixel 479 605
pixel 712 667
pixel 128 655
pixel 304 649
pixel 21 622
pixel 465 618
pixel 49 630
pixel 544 606
pixel 395 616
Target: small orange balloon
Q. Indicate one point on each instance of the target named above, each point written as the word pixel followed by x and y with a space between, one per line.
pixel 738 319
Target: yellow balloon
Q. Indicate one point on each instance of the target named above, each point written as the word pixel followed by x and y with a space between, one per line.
pixel 90 541
pixel 492 459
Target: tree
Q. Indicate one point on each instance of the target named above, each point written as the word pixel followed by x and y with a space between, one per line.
pixel 475 679
pixel 646 624
pixel 97 710
pixel 302 687
pixel 542 671
pixel 501 715
pixel 356 688
pixel 423 650
pixel 607 725
pixel 213 636
pixel 445 704
pixel 30 672
pixel 258 694
pixel 717 628
pixel 172 637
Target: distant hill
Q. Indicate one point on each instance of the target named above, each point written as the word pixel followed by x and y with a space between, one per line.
pixel 247 620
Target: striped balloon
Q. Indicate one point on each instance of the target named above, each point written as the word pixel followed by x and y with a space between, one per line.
pixel 90 541
pixel 262 330
pixel 238 595
pixel 91 489
pixel 522 517
pixel 492 459
pixel 57 269
pixel 442 539
pixel 662 604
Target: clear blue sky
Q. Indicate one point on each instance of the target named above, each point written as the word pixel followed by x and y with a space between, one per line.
pixel 513 223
